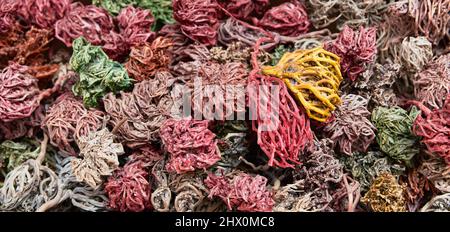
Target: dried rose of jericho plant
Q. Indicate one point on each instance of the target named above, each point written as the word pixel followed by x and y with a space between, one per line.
pixel 414 53
pixel 244 9
pixel 434 129
pixel 144 110
pixel 437 171
pixel 128 189
pixel 351 128
pixel 135 25
pixel 44 13
pixel 288 19
pixel 431 85
pixel 198 19
pixel 191 145
pixel 20 94
pixel 385 195
pixel 98 157
pixel 147 59
pixel 439 203
pixel 67 120
pixel 241 191
pixel 218 90
pixel 356 49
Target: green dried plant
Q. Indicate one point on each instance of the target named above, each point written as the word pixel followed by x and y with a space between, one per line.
pixel 161 9
pixel 98 74
pixel 394 134
pixel 365 167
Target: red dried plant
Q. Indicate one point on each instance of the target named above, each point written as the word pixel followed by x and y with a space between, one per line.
pixel 191 145
pixel 173 32
pixel 435 129
pixel 242 191
pixel 147 155
pixel 218 89
pixel 292 132
pixel 243 9
pixel 135 25
pixel 20 95
pixel 356 49
pixel 147 59
pixel 8 13
pixel 288 19
pixel 198 19
pixel 431 85
pixel 94 24
pixel 430 19
pixel 67 120
pixel 91 22
pixel 128 189
pixel 44 13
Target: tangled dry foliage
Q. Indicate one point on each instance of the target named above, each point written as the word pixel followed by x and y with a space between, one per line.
pixel 351 129
pixel 198 19
pixel 431 85
pixel 288 19
pixel 385 195
pixel 148 59
pixel 314 77
pixel 241 191
pixel 67 120
pixel 98 157
pixel 394 132
pixel 98 74
pixel 434 129
pixel 217 90
pixel 356 50
pixel 139 114
pixel 90 121
pixel 366 167
pixel 191 145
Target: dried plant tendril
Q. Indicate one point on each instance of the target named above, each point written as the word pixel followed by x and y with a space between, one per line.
pixel 385 195
pixel 98 74
pixel 244 9
pixel 394 132
pixel 351 128
pixel 313 76
pixel 439 203
pixel 44 13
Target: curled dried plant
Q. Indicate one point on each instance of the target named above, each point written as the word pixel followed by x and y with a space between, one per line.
pixel 351 128
pixel 434 129
pixel 190 192
pixel 198 19
pixel 437 171
pixel 135 25
pixel 385 195
pixel 217 90
pixel 44 13
pixel 414 53
pixel 142 111
pixel 439 203
pixel 366 167
pixel 288 19
pixel 395 137
pixel 67 120
pixel 98 157
pixel 147 59
pixel 241 191
pixel 431 84
pixel 356 49
pixel 191 145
